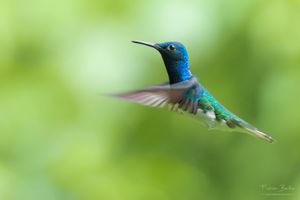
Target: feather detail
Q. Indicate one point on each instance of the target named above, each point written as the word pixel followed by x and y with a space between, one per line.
pixel 248 128
pixel 258 133
pixel 160 95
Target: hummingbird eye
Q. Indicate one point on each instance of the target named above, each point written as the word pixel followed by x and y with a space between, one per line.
pixel 171 47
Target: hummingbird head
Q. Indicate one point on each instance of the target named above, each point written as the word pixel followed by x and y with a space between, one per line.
pixel 175 57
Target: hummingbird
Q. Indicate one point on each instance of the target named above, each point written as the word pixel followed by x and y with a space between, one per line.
pixel 186 95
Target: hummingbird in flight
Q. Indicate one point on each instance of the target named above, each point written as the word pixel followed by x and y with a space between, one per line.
pixel 186 95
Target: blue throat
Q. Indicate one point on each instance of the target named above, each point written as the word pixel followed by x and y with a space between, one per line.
pixel 175 57
pixel 178 70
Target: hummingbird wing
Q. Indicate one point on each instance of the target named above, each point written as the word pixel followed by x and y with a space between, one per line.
pixel 158 95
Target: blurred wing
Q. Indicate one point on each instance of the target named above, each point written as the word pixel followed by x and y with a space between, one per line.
pixel 159 95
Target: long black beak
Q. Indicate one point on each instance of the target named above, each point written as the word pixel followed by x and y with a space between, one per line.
pixel 149 44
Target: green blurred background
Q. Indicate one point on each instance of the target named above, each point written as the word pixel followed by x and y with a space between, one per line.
pixel 60 139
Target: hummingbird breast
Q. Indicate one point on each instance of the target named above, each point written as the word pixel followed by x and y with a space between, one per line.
pixel 200 104
pixel 209 119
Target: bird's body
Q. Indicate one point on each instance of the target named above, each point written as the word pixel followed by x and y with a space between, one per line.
pixel 185 94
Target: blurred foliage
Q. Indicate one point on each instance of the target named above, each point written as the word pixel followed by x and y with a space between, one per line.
pixel 59 139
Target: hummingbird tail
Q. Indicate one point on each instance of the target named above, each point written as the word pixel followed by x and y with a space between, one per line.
pixel 255 132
